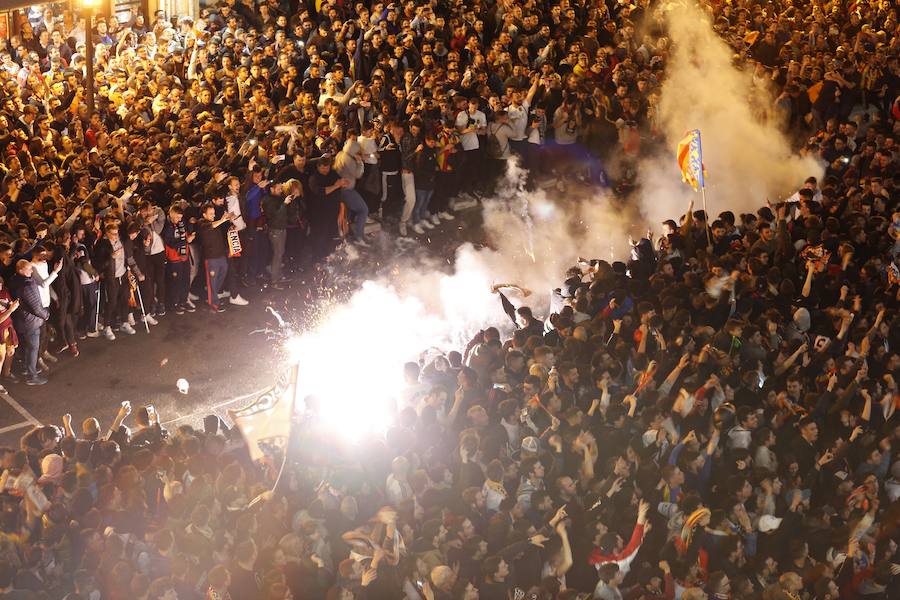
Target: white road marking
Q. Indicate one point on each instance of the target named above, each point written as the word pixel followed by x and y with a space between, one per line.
pixel 9 428
pixel 20 409
pixel 210 409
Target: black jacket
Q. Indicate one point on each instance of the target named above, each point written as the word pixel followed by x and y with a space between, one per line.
pixel 425 168
pixel 68 288
pixel 103 259
pixel 31 313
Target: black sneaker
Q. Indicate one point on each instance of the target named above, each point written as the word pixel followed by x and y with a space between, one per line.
pixel 179 310
pixel 160 312
pixel 217 308
pixel 39 380
pixel 189 308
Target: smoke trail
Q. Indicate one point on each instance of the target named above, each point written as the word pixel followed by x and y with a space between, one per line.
pixel 747 157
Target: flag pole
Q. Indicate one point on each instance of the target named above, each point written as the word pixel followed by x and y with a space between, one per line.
pixel 292 386
pixel 701 177
pixel 292 383
pixel 706 213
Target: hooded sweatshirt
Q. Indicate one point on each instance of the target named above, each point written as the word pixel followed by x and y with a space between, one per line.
pixel 347 163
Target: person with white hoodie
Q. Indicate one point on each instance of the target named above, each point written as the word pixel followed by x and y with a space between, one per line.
pixel 350 166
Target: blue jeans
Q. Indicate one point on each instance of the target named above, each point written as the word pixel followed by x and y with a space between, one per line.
pixel 216 268
pixel 30 341
pixel 358 211
pixel 420 210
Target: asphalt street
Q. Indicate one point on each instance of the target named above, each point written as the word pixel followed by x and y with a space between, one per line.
pixel 224 362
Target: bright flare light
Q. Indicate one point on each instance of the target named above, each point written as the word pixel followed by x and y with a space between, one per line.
pixel 352 362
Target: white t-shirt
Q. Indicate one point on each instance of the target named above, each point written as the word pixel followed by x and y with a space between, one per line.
pixel 566 131
pixel 518 121
pixel 469 140
pixel 119 258
pixel 156 243
pixel 369 147
pixel 234 207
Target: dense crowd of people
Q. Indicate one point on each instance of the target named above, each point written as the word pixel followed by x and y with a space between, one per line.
pixel 712 418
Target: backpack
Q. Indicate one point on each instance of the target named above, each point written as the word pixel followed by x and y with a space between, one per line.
pixel 493 147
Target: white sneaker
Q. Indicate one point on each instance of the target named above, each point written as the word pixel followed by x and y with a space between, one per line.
pixel 436 219
pixel 418 228
pixel 403 231
pixel 224 294
pixel 131 319
pixel 190 304
pixel 149 320
pixel 108 333
pixel 93 334
pixel 127 328
pixel 447 216
pixel 238 301
pixel 192 296
pixel 426 224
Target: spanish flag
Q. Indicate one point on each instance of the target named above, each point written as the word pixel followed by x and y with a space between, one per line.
pixel 690 160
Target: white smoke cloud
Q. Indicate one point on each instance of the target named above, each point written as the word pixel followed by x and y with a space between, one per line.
pixel 353 355
pixel 748 159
